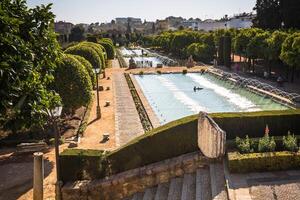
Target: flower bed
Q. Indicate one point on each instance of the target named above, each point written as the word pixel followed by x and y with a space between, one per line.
pixel 268 161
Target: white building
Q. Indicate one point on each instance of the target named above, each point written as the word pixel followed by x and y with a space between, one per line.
pixel 236 22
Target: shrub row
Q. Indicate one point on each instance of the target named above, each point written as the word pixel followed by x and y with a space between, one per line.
pixel 253 123
pixel 78 164
pixel 256 162
pixel 180 137
pixel 88 67
pixel 87 52
pixel 146 123
pixel 109 47
pixel 73 83
pixel 266 144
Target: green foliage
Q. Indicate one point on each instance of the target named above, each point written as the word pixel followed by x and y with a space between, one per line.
pixel 273 14
pixel 244 145
pixel 88 67
pixel 290 50
pixel 141 73
pixel 274 43
pixel 227 51
pixel 77 34
pixel 73 83
pixel 109 47
pixel 184 71
pixel 290 142
pixel 87 52
pixel 78 164
pixel 258 162
pixel 180 137
pixel 201 51
pixel 158 71
pixel 173 139
pixel 254 123
pixel 29 50
pixel 98 48
pixel 266 144
pixel 268 14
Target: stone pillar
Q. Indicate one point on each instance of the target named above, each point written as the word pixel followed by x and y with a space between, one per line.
pixel 38 176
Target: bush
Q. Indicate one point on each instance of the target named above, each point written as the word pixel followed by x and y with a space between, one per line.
pixel 109 47
pixel 244 145
pixel 88 67
pixel 73 83
pixel 141 73
pixel 98 48
pixel 78 164
pixel 253 124
pixel 184 71
pixel 290 142
pixel 257 162
pixel 266 144
pixel 171 140
pixel 159 72
pixel 87 52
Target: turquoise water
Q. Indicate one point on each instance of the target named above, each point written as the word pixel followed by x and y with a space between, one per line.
pixel 172 96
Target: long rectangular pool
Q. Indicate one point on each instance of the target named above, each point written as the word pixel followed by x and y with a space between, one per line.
pixel 172 96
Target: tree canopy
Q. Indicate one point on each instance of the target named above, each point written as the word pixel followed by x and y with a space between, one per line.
pixel 77 34
pixel 29 51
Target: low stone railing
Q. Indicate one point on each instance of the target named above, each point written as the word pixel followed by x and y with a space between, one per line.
pixel 132 181
pixel 211 138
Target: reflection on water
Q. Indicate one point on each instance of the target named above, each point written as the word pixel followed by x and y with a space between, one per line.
pixel 172 96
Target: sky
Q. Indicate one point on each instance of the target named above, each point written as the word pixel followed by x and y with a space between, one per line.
pixel 91 11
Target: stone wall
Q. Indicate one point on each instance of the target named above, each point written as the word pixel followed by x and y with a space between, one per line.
pixel 211 138
pixel 127 183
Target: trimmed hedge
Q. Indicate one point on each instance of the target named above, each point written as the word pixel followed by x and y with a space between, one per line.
pixel 110 50
pixel 256 162
pixel 180 136
pixel 171 140
pixel 87 52
pixel 98 48
pixel 88 67
pixel 253 124
pixel 78 164
pixel 73 83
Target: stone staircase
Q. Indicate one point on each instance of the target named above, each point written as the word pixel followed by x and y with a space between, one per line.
pixel 190 176
pixel 207 183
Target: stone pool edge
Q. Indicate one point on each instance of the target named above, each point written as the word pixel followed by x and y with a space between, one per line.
pixel 150 112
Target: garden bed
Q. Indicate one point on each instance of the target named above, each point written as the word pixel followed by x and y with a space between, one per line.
pixel 268 161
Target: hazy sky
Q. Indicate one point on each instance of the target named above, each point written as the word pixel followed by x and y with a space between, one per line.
pixel 88 11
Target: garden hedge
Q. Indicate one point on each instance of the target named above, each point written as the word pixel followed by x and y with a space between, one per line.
pixel 253 123
pixel 180 136
pixel 73 83
pixel 257 162
pixel 108 47
pixel 98 48
pixel 78 164
pixel 87 52
pixel 88 67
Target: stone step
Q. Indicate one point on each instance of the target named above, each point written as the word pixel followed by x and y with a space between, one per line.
pixel 189 187
pixel 138 196
pixel 162 191
pixel 203 189
pixel 217 181
pixel 175 189
pixel 150 193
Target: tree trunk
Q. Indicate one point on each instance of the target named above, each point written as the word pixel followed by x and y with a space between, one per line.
pixel 240 58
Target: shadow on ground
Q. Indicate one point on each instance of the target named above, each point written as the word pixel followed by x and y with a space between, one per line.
pixel 17 175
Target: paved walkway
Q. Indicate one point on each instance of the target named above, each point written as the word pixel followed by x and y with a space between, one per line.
pixel 265 186
pixel 127 121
